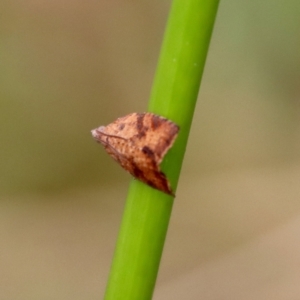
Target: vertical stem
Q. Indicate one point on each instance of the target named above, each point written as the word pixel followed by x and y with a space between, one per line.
pixel 174 94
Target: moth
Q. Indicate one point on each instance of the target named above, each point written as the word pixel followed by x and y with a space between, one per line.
pixel 139 142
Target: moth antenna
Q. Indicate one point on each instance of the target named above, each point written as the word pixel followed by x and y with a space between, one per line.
pixel 109 135
pixel 114 149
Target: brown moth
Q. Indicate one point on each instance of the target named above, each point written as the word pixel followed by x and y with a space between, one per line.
pixel 139 142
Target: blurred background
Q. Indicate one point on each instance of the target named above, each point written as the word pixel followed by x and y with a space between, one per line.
pixel 70 66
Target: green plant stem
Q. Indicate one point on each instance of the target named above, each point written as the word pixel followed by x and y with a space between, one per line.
pixel 174 94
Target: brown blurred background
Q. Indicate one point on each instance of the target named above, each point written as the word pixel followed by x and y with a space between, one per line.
pixel 70 66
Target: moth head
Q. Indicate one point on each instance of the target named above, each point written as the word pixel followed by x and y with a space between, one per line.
pixel 97 133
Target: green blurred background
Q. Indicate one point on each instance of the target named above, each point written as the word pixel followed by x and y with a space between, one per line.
pixel 70 66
